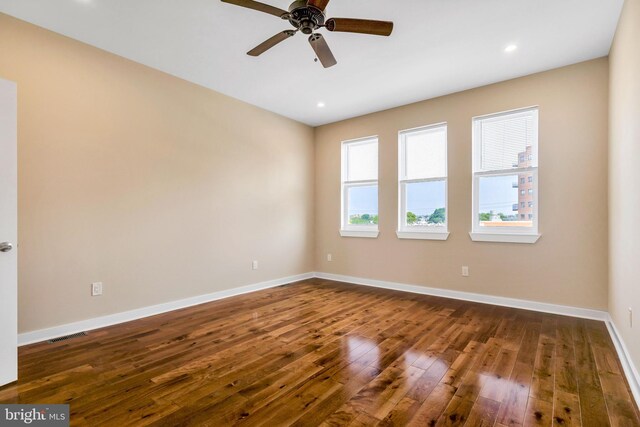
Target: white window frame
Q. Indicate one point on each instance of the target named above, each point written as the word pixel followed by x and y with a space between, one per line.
pixel 506 234
pixel 356 230
pixel 420 232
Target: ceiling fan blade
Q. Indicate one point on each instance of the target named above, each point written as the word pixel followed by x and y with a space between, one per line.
pixel 324 54
pixel 269 43
pixel 250 4
pixel 321 5
pixel 362 26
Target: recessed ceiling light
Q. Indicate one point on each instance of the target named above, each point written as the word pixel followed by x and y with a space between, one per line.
pixel 321 104
pixel 511 48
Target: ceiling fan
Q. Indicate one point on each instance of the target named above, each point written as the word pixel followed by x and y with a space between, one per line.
pixel 308 16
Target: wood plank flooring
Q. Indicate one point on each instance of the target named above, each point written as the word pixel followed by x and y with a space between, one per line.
pixel 330 354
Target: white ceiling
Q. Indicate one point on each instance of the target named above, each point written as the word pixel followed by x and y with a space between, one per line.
pixel 438 46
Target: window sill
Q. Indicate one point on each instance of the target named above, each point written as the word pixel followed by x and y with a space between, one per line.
pixel 369 234
pixel 422 235
pixel 504 238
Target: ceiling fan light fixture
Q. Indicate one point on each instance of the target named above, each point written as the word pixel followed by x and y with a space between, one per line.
pixel 308 17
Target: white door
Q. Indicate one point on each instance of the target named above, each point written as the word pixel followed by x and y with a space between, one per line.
pixel 8 233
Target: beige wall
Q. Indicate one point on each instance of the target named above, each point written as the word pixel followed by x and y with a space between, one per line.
pixel 164 190
pixel 568 265
pixel 624 177
pixel 157 187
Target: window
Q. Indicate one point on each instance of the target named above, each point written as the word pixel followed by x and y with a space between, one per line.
pixel 505 150
pixel 360 188
pixel 422 180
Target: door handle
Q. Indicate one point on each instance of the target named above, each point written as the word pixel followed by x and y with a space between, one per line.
pixel 5 247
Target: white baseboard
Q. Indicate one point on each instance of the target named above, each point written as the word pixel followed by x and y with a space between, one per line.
pixel 630 370
pixel 544 307
pixel 114 319
pixel 629 367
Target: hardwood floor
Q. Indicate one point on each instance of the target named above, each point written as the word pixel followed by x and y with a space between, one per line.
pixel 324 353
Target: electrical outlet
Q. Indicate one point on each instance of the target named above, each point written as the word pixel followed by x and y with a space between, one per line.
pixel 329 257
pixel 465 271
pixel 96 289
pixel 254 265
pixel 630 317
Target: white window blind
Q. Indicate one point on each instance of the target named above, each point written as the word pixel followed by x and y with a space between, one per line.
pixel 503 139
pixel 362 160
pixel 426 153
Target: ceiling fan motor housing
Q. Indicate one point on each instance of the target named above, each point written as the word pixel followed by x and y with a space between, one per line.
pixel 306 18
